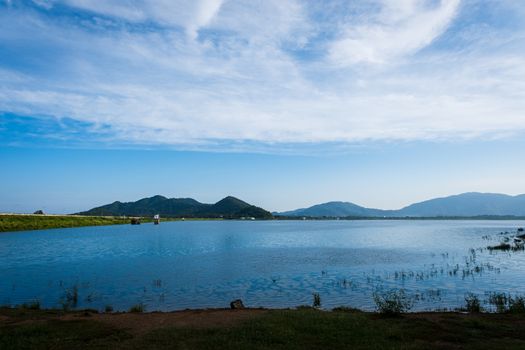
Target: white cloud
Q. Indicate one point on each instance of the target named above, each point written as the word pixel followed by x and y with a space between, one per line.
pixel 191 15
pixel 239 82
pixel 401 27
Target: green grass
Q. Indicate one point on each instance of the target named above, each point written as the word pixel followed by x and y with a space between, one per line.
pixel 20 222
pixel 55 334
pixel 39 222
pixel 277 329
pixel 311 329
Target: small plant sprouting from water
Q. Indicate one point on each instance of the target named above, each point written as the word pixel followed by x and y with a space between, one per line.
pixel 137 308
pixel 473 304
pixel 393 302
pixel 157 283
pixel 70 298
pixel 317 301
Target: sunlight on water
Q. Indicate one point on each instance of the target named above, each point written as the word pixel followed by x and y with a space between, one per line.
pixel 178 265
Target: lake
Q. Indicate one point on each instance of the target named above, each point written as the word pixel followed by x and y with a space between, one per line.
pixel 274 264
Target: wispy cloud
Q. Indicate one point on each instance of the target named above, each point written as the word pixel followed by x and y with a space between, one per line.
pixel 273 72
pixel 191 15
pixel 399 28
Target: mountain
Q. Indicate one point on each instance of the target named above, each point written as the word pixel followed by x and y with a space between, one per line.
pixel 336 209
pixel 466 204
pixel 229 207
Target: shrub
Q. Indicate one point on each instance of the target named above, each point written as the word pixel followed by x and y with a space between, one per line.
pixel 393 302
pixel 108 308
pixel 304 307
pixel 137 308
pixel 472 303
pixel 34 305
pixel 345 309
pixel 517 305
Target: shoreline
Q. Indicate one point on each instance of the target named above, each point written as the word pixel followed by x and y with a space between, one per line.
pixel 36 222
pixel 30 222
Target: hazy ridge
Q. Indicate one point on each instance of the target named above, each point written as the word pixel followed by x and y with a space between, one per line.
pixel 466 204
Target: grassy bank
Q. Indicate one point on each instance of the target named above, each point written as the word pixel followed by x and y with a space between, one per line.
pixel 258 329
pixel 39 222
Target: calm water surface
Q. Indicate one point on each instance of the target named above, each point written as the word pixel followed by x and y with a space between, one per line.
pixel 199 264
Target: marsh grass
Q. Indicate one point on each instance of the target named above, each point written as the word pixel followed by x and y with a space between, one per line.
pixel 506 303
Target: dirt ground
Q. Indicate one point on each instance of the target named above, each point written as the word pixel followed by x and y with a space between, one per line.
pixel 141 323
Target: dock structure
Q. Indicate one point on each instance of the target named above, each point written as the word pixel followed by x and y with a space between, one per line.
pixel 156 219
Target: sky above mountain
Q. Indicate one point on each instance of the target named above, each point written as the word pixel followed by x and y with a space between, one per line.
pixel 322 93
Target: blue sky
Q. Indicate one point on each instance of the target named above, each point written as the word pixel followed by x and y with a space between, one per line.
pixel 282 103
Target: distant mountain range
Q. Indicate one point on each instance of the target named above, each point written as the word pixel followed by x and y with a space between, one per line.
pixel 466 204
pixel 462 205
pixel 229 207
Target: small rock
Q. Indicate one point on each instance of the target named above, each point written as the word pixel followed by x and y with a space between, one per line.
pixel 39 212
pixel 237 304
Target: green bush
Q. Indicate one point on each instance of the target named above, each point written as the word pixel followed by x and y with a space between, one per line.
pixel 472 303
pixel 34 305
pixel 393 302
pixel 137 308
pixel 517 305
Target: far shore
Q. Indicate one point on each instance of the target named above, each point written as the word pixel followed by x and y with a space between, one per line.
pixel 27 222
pixel 10 222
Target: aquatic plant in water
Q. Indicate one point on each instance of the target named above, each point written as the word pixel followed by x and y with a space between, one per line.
pixel 317 300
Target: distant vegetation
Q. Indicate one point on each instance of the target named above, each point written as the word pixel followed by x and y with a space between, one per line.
pixel 227 208
pixel 39 222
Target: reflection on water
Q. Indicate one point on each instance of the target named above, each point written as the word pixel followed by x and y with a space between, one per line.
pixel 178 265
